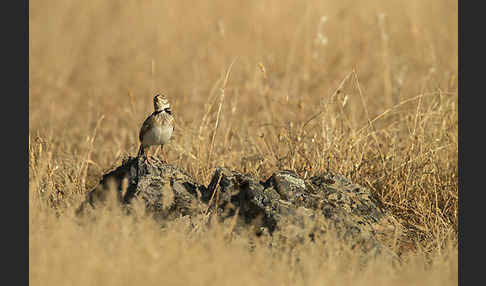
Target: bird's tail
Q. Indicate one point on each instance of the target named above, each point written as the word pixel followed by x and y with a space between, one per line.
pixel 140 151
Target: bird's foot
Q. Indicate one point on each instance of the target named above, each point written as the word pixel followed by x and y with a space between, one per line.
pixel 147 160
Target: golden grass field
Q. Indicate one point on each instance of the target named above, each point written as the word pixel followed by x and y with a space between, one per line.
pixel 367 89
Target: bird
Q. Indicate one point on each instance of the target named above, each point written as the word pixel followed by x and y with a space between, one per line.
pixel 157 128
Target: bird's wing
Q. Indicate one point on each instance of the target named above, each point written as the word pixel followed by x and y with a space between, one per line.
pixel 149 121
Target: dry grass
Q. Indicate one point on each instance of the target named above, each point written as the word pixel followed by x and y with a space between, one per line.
pixel 369 91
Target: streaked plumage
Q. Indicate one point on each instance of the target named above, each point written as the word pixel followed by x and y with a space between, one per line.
pixel 157 128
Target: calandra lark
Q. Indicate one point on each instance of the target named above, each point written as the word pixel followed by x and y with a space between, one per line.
pixel 157 128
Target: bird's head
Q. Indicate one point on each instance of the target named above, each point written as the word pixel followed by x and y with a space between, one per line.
pixel 161 102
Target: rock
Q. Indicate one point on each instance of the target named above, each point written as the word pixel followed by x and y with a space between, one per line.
pixel 285 199
pixel 166 190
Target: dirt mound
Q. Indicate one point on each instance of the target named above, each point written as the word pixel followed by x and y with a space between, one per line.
pixel 327 201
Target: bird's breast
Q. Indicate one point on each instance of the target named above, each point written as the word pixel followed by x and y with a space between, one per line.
pixel 157 135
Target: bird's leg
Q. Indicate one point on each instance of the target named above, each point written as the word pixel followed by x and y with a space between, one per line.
pixel 147 157
pixel 156 152
pixel 164 158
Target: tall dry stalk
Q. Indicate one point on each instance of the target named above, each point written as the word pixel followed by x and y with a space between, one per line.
pixel 387 72
pixel 221 99
pixel 87 160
